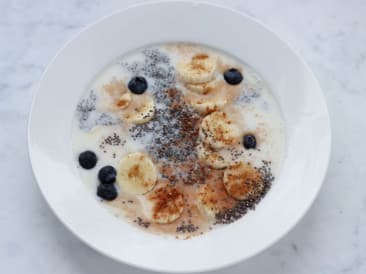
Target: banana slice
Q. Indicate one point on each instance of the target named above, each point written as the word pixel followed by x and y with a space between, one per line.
pixel 164 205
pixel 210 157
pixel 114 96
pixel 243 181
pixel 140 111
pixel 204 88
pixel 200 69
pixel 137 174
pixel 208 105
pixel 218 131
pixel 214 199
pixel 115 88
pixel 208 97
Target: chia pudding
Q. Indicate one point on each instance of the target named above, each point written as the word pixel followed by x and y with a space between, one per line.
pixel 178 138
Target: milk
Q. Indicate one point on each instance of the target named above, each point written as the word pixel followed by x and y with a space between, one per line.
pixel 254 110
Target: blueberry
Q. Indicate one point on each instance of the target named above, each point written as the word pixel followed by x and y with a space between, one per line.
pixel 137 85
pixel 107 175
pixel 233 76
pixel 249 141
pixel 88 159
pixel 107 192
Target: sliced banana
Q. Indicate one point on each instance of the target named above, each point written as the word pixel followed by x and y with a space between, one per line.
pixel 115 88
pixel 218 130
pixel 137 174
pixel 164 205
pixel 114 96
pixel 243 181
pixel 200 69
pixel 214 199
pixel 208 105
pixel 210 157
pixel 140 111
pixel 204 88
pixel 208 97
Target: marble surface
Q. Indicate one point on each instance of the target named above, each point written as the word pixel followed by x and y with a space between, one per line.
pixel 330 34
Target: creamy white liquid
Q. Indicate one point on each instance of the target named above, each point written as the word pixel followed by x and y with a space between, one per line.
pixel 258 113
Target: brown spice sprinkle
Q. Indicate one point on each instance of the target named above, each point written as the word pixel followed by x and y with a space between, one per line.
pixel 135 172
pixel 243 181
pixel 201 56
pixel 214 195
pixel 219 132
pixel 197 61
pixel 124 101
pixel 168 202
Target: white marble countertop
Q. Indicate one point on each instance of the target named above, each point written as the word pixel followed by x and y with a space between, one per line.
pixel 330 239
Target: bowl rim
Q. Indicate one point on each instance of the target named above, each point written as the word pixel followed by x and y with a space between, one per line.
pixel 295 221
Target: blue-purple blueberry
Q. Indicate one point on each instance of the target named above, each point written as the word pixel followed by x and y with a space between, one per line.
pixel 233 76
pixel 88 159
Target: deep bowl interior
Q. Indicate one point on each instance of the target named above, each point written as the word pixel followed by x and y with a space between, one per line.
pixel 292 83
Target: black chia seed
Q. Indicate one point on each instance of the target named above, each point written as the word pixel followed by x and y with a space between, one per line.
pixel 242 207
pixel 86 106
pixel 235 154
pixel 112 140
pixel 247 96
pixel 186 227
pixel 141 222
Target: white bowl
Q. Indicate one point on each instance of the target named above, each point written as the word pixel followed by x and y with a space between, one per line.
pixel 291 81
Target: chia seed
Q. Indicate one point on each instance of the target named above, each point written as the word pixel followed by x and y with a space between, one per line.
pixel 186 227
pixel 247 96
pixel 112 140
pixel 141 222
